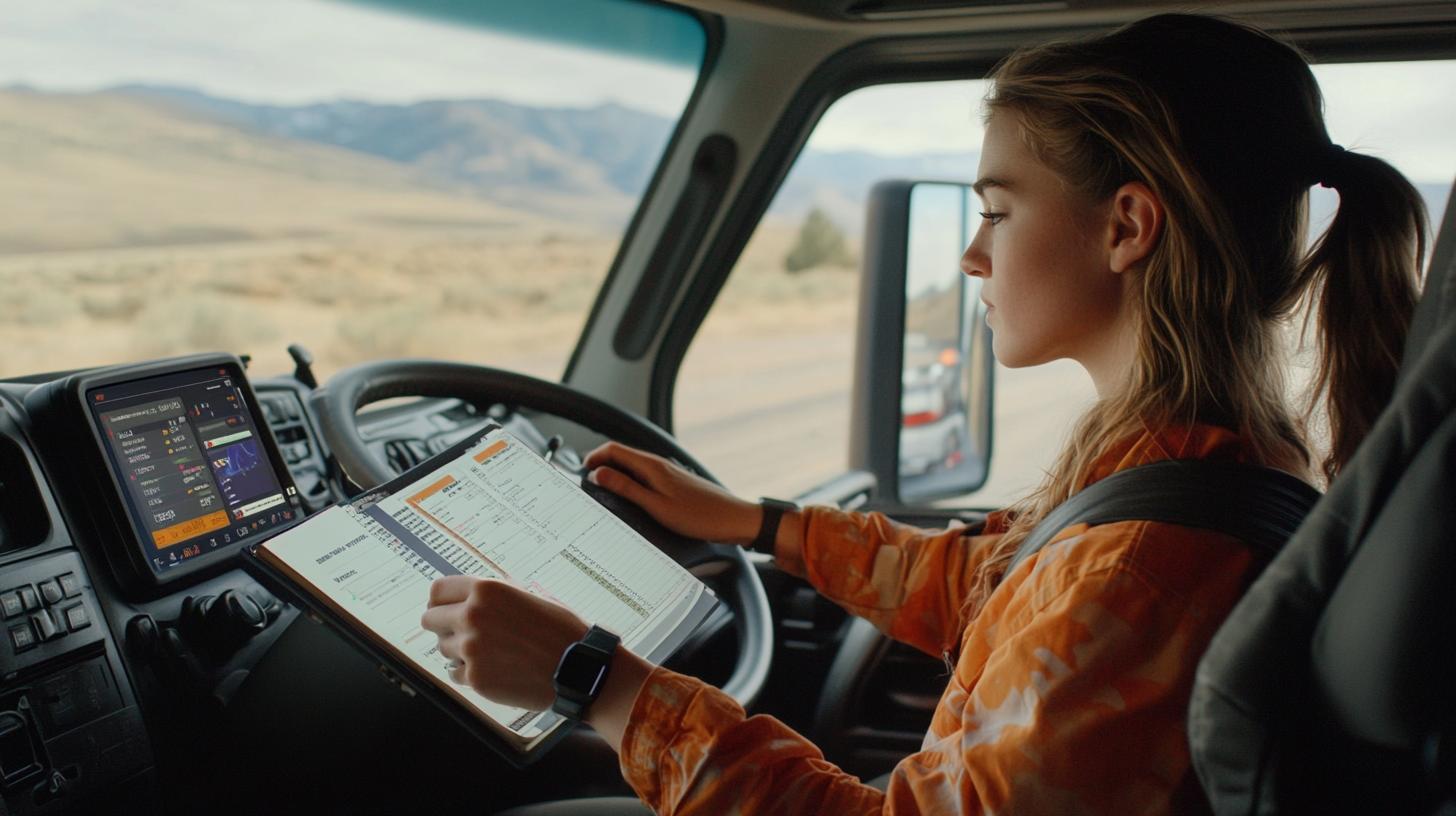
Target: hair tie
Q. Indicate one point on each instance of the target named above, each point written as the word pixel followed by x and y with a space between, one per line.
pixel 1331 163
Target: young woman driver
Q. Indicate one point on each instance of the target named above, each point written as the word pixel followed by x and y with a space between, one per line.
pixel 1145 197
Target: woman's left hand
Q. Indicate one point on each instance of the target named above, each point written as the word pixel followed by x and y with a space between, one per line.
pixel 507 641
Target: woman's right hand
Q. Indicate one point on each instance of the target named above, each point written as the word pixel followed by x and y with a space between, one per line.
pixel 683 502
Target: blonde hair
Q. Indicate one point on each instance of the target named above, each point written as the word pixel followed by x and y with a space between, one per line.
pixel 1225 125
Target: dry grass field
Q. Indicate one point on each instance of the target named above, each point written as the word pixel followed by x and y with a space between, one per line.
pixel 514 297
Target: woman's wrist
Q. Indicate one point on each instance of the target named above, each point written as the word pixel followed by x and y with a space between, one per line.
pixel 746 519
pixel 611 711
pixel 789 543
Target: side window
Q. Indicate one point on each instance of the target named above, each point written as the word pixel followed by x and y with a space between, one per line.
pixel 764 393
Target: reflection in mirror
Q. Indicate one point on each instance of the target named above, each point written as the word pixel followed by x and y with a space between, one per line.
pixel 945 375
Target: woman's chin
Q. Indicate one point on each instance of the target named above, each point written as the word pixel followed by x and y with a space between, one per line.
pixel 1011 356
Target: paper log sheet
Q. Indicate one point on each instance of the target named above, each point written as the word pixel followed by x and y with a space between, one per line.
pixel 499 511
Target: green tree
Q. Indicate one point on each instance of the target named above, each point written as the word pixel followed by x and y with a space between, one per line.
pixel 820 242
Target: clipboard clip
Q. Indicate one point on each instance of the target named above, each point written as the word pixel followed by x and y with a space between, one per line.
pixel 395 680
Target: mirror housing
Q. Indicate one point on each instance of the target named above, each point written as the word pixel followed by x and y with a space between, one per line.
pixel 936 389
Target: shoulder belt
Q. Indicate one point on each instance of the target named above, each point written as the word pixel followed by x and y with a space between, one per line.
pixel 1258 505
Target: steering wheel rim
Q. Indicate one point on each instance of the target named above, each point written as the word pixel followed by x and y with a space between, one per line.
pixel 337 402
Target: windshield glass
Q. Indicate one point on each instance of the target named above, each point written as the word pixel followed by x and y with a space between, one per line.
pixel 182 177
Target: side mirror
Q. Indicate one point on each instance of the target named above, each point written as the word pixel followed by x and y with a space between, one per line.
pixel 924 373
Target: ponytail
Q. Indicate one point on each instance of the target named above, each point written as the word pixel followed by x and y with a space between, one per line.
pixel 1363 276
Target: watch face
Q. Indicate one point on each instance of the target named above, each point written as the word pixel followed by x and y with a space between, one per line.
pixel 581 670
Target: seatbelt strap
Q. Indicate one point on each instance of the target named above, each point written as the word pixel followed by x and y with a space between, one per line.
pixel 1258 505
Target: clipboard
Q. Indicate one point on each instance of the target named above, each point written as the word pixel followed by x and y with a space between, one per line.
pixel 402 671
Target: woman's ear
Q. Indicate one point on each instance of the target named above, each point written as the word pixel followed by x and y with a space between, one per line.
pixel 1136 222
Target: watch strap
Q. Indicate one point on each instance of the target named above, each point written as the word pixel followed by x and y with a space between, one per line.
pixel 768 528
pixel 599 638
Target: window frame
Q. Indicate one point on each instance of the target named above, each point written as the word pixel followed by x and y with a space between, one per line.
pixel 930 59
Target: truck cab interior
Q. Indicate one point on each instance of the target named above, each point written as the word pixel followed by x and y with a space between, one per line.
pixel 257 258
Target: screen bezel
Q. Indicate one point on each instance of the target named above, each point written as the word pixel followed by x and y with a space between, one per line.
pixel 128 524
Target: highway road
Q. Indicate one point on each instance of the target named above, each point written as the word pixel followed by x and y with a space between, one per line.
pixel 770 414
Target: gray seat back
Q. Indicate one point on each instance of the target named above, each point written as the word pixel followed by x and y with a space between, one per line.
pixel 1330 687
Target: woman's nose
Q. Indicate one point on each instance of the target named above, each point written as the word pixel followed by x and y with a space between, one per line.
pixel 975 262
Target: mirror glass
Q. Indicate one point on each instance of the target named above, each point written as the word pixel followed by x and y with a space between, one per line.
pixel 945 383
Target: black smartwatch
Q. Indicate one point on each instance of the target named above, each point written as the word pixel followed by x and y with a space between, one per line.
pixel 582 672
pixel 768 529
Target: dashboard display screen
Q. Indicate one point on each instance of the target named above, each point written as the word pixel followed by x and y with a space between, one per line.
pixel 196 475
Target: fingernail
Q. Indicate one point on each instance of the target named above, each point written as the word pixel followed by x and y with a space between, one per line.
pixel 592 477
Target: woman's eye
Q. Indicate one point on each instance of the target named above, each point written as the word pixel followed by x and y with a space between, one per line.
pixel 993 218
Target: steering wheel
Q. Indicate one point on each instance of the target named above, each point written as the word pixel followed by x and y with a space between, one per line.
pixel 349 390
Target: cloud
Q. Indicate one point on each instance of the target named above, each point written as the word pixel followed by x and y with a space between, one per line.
pixel 1401 112
pixel 295 51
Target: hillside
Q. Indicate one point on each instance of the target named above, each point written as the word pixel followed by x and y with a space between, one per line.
pixel 107 170
pixel 590 163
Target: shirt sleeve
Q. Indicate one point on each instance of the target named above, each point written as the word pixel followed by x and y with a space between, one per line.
pixel 910 583
pixel 1080 711
pixel 689 750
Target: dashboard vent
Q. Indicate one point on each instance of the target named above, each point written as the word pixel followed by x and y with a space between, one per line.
pixel 23 519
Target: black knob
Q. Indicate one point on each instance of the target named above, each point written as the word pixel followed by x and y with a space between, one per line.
pixel 221 622
pixel 235 616
pixel 141 635
pixel 303 365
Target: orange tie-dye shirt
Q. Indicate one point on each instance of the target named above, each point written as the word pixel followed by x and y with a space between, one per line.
pixel 1069 694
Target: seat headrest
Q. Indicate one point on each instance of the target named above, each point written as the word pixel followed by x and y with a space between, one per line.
pixel 1323 688
pixel 1438 299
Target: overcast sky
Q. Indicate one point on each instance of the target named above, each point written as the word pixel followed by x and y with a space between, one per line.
pixel 1403 113
pixel 296 51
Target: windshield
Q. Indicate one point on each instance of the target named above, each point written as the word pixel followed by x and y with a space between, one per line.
pixel 183 177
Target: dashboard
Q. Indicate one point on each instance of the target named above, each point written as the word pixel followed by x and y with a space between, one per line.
pixel 126 494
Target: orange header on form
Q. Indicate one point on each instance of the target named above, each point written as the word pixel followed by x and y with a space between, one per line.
pixel 431 490
pixel 490 451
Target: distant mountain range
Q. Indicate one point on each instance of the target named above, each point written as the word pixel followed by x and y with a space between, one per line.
pixel 514 154
pixel 485 143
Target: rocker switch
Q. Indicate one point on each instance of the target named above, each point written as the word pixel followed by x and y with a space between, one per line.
pixel 45 628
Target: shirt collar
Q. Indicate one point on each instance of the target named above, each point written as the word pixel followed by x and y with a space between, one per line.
pixel 1197 441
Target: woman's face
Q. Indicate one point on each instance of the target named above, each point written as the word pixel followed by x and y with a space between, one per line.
pixel 1042 252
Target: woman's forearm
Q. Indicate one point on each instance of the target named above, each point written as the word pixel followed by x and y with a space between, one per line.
pixel 613 707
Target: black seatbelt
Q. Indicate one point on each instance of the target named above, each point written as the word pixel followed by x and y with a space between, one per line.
pixel 1258 505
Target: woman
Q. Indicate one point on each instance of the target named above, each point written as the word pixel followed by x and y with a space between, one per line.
pixel 1146 196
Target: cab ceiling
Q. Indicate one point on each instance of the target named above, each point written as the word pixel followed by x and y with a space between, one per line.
pixel 872 18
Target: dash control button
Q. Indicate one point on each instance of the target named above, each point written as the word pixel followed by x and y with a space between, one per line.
pixel 21 637
pixel 28 597
pixel 44 626
pixel 70 584
pixel 11 603
pixel 76 617
pixel 50 591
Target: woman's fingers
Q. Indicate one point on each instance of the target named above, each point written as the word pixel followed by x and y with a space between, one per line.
pixel 450 649
pixel 442 620
pixel 451 589
pixel 640 465
pixel 623 485
pixel 604 454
